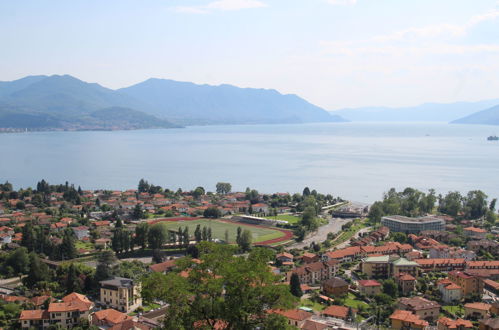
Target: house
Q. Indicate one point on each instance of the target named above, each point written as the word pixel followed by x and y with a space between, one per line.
pixel 81 232
pixel 296 317
pixel 67 313
pixel 260 208
pixel 445 323
pixel 369 287
pixel 425 309
pixel 284 257
pixel 470 284
pixel 476 310
pixel 309 258
pixel 108 317
pixel 121 293
pixel 163 267
pixel 475 232
pixel 406 282
pixel 491 286
pixel 401 319
pixel 451 292
pixel 316 272
pixel 387 266
pixel 314 325
pixel 443 251
pixel 131 324
pixel 489 324
pixel 335 286
pixel 441 265
pixel 484 245
pixel 37 318
pixel 102 243
pixel 338 312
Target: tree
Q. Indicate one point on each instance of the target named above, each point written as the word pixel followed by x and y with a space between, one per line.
pixel 18 261
pixel 210 237
pixel 475 204
pixel 223 188
pixel 226 236
pixel 309 219
pixel 157 256
pixel 295 285
pixel 72 282
pixel 375 212
pixel 67 249
pixel 490 217
pixel 306 192
pixel 104 262
pixel 399 237
pixel 38 271
pixel 390 288
pixel 157 236
pixel 204 234
pixel 222 288
pixel 197 234
pixel 245 240
pixel 137 212
pixel 238 235
pixel 186 236
pixel 143 186
pixel 198 192
pixel 451 204
pixel 28 238
pixel 141 234
pixel 212 212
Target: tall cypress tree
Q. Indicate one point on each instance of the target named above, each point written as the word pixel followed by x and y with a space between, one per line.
pixel 294 285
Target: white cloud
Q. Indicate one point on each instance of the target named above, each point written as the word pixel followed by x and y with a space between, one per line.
pixel 224 5
pixel 342 2
pixel 437 30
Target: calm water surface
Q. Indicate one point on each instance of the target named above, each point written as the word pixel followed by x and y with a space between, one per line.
pixel 358 161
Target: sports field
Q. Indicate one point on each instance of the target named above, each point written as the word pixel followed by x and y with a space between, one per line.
pixel 218 227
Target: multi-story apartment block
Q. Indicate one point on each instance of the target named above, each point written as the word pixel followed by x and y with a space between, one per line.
pixel 398 223
pixel 122 294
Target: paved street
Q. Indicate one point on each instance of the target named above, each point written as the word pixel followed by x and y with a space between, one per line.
pixel 333 226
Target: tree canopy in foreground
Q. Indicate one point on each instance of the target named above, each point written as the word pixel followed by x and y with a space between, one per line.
pixel 236 291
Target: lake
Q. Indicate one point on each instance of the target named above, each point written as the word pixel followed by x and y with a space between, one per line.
pixel 357 161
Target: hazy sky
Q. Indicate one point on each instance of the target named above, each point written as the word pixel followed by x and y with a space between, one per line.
pixel 334 53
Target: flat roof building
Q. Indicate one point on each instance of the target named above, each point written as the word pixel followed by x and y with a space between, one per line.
pixel 398 223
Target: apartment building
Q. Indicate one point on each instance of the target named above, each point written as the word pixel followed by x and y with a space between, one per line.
pixel 122 294
pixel 398 223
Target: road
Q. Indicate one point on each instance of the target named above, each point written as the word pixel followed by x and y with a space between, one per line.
pixel 333 226
pixel 347 242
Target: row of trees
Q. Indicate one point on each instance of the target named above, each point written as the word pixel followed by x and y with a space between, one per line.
pixel 412 202
pixel 36 239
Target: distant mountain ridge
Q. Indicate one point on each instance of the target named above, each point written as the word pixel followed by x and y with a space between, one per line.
pixel 444 112
pixel 485 117
pixel 65 102
pixel 225 104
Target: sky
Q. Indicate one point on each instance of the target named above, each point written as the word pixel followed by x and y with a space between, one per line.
pixel 334 53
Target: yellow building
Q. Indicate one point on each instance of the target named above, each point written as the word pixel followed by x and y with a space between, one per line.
pixel 122 294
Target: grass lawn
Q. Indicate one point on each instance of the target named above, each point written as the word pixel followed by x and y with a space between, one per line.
pixel 351 301
pixel 84 245
pixel 454 309
pixel 312 304
pixel 291 219
pixel 218 228
pixel 346 235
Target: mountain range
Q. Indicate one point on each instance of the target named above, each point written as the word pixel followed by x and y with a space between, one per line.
pixel 488 116
pixel 443 112
pixel 65 102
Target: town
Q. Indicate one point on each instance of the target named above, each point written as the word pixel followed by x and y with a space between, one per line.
pixel 154 258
